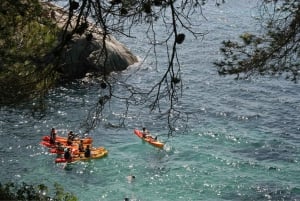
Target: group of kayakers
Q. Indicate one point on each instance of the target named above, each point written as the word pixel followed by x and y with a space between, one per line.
pixel 71 140
pixel 73 147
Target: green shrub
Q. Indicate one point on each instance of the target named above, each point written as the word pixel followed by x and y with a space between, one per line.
pixel 24 192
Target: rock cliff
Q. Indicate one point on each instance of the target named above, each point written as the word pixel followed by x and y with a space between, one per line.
pixel 85 53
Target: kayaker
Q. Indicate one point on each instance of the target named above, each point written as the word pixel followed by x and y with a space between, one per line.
pixel 71 135
pixel 80 146
pixel 70 138
pixel 60 150
pixel 52 136
pixel 146 133
pixel 87 152
pixel 68 155
pixel 60 147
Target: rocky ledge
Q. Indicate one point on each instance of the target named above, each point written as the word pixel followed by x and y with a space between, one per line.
pixel 85 53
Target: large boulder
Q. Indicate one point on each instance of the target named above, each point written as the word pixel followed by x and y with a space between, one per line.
pixel 85 53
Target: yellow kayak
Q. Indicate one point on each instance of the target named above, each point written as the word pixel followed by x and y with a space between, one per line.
pixel 96 153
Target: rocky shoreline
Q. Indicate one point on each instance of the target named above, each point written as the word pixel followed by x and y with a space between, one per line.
pixel 85 52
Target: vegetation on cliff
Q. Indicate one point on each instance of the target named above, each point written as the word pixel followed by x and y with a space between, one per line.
pixel 26 36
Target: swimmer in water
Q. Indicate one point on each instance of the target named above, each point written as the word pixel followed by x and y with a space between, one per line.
pixel 130 178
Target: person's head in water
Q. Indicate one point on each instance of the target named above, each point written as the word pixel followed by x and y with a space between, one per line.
pixel 130 178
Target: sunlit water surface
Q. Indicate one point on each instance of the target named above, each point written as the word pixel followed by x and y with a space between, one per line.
pixel 241 143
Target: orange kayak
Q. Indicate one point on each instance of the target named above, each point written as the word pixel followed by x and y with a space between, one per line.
pixel 53 147
pixel 149 139
pixel 63 140
pixel 47 144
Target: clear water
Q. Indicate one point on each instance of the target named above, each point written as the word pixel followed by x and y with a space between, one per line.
pixel 242 140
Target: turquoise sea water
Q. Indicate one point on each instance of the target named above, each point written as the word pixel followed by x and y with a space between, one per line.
pixel 241 141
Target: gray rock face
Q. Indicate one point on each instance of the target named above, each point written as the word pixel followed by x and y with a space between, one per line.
pixel 85 53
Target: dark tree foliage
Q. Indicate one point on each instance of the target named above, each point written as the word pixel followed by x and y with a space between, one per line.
pixel 276 52
pixel 24 192
pixel 25 38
